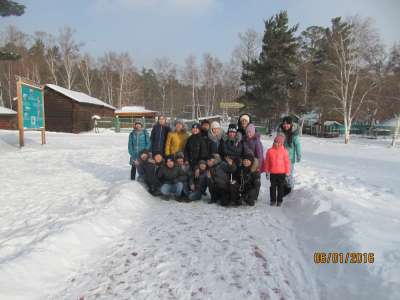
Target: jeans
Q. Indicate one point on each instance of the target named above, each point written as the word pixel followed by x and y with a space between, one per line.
pixel 194 196
pixel 175 189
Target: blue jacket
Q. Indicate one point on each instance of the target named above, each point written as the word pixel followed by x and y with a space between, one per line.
pixel 138 141
pixel 158 138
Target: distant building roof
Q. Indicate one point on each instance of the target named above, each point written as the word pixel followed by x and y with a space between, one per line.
pixel 134 109
pixel 78 96
pixel 7 111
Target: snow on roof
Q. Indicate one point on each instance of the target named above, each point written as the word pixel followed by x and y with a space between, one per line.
pixel 211 117
pixel 330 123
pixel 7 111
pixel 134 109
pixel 391 122
pixel 78 96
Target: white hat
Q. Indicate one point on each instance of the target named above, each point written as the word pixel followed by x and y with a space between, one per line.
pixel 245 117
pixel 215 124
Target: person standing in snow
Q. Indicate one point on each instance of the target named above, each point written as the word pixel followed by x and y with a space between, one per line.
pixel 243 121
pixel 252 144
pixel 277 165
pixel 232 146
pixel 195 148
pixel 171 177
pixel 138 140
pixel 205 128
pixel 159 135
pixel 215 135
pixel 292 144
pixel 176 140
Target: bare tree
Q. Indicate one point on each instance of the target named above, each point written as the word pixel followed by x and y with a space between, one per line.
pixel 69 50
pixel 350 79
pixel 248 49
pixel 165 69
pixel 211 75
pixel 86 66
pixel 123 65
pixel 191 77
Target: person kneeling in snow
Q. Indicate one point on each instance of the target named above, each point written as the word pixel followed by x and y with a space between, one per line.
pixel 220 179
pixel 144 155
pixel 198 181
pixel 171 177
pixel 248 181
pixel 277 164
pixel 151 169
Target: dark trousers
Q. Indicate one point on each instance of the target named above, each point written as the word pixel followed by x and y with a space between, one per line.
pixel 133 172
pixel 277 187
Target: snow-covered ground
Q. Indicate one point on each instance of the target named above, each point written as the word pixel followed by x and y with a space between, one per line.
pixel 72 226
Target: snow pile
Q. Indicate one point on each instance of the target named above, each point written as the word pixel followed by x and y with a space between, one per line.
pixel 78 96
pixel 7 111
pixel 72 225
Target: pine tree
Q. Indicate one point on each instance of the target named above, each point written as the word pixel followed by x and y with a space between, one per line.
pixel 274 72
pixel 10 8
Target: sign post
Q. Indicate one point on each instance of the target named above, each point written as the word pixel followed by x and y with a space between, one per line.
pixel 30 109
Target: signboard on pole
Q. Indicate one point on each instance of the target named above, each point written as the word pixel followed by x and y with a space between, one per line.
pixel 231 105
pixel 30 109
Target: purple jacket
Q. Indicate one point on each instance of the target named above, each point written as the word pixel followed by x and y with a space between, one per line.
pixel 255 147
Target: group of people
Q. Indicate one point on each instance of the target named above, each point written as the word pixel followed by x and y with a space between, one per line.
pixel 175 165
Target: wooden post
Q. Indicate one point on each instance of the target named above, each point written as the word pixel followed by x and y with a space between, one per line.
pixel 20 114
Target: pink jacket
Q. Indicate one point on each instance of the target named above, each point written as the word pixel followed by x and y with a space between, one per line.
pixel 277 161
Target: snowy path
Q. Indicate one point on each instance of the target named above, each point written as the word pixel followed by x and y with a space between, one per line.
pixel 198 251
pixel 72 226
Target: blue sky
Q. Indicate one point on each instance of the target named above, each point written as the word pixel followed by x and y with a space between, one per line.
pixel 177 28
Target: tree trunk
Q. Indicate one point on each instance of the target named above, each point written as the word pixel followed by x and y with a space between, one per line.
pixel 396 131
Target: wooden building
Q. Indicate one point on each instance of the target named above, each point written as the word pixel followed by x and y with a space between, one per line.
pixel 71 111
pixel 127 115
pixel 8 118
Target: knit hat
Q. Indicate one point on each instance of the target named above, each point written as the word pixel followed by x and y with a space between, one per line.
pixel 178 121
pixel 232 128
pixel 215 124
pixel 205 122
pixel 249 157
pixel 251 129
pixel 279 139
pixel 202 162
pixel 138 122
pixel 179 154
pixel 170 157
pixel 245 117
pixel 287 120
pixel 196 125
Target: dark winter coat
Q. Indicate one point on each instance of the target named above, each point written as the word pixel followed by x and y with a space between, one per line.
pixel 232 148
pixel 138 141
pixel 221 174
pixel 158 137
pixel 171 175
pixel 151 174
pixel 255 147
pixel 195 149
pixel 248 178
pixel 213 142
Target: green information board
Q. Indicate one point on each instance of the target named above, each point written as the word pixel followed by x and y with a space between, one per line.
pixel 32 106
